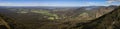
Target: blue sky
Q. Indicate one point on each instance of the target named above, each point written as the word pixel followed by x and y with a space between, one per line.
pixel 56 3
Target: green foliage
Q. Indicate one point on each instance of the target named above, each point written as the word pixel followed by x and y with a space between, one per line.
pixel 45 12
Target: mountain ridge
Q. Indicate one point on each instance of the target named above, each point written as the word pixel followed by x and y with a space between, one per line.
pixel 107 21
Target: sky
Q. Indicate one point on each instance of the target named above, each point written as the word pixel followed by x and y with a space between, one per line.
pixel 65 3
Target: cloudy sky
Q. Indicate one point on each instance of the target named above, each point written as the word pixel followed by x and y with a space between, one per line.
pixel 58 2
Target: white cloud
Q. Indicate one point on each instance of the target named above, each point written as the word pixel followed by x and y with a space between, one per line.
pixel 111 1
pixel 95 4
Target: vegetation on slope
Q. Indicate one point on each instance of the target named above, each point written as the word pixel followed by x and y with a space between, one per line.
pixel 107 21
pixel 9 23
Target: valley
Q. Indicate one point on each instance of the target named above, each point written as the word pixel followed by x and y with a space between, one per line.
pixel 54 17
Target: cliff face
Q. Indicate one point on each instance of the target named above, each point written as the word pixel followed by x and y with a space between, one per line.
pixel 107 21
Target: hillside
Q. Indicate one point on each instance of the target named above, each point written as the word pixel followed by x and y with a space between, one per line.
pixel 107 21
pixel 9 23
